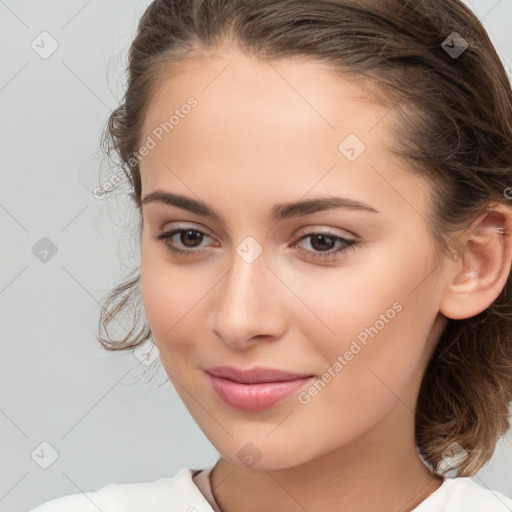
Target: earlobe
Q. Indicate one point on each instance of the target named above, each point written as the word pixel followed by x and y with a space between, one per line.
pixel 484 265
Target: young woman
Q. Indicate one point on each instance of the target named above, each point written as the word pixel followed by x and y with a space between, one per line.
pixel 324 191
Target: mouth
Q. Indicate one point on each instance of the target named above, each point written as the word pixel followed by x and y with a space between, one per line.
pixel 255 389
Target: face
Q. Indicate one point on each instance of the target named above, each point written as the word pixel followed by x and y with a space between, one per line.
pixel 349 295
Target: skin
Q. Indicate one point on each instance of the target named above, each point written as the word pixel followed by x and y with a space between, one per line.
pixel 263 134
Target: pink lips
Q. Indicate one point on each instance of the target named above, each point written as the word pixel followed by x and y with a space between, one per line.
pixel 254 389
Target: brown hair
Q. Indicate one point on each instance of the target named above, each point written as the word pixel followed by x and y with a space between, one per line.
pixel 455 127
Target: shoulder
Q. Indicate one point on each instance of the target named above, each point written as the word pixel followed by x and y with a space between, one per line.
pixel 463 494
pixel 475 497
pixel 163 495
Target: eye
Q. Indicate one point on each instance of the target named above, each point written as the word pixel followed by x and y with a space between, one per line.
pixel 323 243
pixel 320 240
pixel 188 237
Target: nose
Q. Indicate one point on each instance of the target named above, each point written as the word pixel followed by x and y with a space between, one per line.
pixel 248 304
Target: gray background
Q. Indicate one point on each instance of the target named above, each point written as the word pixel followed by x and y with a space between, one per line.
pixel 109 417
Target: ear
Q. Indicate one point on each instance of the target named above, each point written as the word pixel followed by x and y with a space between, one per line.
pixel 484 266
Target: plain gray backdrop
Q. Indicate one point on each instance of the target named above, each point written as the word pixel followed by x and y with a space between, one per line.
pixel 74 417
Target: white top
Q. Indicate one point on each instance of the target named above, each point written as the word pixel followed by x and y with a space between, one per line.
pixel 181 493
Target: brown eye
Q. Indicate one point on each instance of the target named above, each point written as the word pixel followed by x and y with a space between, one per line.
pixel 186 244
pixel 190 237
pixel 324 245
pixel 322 242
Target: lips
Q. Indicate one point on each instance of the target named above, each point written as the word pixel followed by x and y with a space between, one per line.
pixel 255 389
pixel 255 375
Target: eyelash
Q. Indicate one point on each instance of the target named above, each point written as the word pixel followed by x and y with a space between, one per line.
pixel 333 253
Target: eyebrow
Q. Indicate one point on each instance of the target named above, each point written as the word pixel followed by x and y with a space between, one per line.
pixel 279 212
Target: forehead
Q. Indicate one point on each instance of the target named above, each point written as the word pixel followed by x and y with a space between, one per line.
pixel 293 94
pixel 286 123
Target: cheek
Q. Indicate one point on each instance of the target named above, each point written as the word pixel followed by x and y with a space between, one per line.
pixel 168 295
pixel 343 302
pixel 370 362
pixel 371 327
